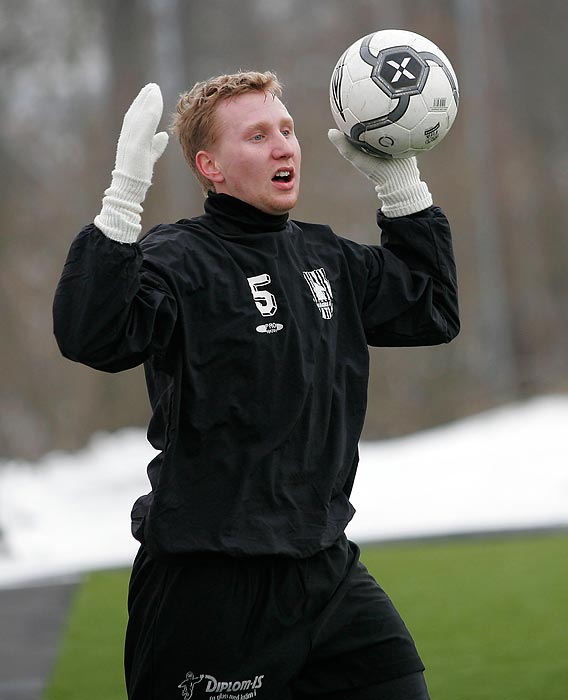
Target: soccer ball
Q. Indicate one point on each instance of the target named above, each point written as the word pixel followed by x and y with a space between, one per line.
pixel 394 94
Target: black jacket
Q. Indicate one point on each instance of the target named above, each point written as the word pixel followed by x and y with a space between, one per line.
pixel 254 331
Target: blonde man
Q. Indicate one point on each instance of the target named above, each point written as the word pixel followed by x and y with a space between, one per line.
pixel 253 329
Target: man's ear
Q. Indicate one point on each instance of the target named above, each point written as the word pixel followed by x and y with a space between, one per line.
pixel 208 167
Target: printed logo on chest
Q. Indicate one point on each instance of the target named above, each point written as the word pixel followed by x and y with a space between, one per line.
pixel 266 301
pixel 321 291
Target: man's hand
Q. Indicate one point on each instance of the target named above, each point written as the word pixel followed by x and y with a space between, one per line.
pixel 138 149
pixel 397 180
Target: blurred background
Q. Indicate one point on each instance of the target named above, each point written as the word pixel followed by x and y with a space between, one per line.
pixel 69 70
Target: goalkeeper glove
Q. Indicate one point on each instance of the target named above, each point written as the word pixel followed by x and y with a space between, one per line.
pixel 397 180
pixel 139 147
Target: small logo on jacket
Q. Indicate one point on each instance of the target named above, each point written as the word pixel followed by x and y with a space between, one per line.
pixel 269 328
pixel 220 690
pixel 321 291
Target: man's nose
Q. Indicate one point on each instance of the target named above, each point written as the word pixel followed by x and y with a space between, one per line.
pixel 282 147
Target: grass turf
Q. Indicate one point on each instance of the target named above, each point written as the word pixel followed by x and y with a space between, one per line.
pixel 89 664
pixel 489 617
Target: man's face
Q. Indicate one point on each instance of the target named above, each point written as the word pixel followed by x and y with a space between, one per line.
pixel 256 156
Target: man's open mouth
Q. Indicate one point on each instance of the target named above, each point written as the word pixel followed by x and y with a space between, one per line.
pixel 284 175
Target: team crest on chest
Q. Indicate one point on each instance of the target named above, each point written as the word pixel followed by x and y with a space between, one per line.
pixel 321 291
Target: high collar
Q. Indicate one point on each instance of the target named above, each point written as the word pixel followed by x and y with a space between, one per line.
pixel 240 217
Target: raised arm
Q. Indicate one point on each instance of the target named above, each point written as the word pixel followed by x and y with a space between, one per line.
pixel 410 286
pixel 111 309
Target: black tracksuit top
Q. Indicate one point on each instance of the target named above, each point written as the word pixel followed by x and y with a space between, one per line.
pixel 254 331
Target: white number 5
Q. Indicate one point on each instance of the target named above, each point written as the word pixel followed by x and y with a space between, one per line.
pixel 264 300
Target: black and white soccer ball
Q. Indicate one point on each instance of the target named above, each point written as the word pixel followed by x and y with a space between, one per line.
pixel 394 94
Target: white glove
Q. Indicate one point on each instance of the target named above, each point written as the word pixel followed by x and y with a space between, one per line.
pixel 139 147
pixel 397 180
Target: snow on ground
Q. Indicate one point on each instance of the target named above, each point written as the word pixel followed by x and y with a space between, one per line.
pixel 501 470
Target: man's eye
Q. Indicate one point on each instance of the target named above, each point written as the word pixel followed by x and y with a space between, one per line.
pixel 257 137
pixel 287 132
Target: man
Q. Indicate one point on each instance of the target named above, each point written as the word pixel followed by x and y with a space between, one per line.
pixel 254 330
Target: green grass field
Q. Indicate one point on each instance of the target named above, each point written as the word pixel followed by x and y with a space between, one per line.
pixel 490 618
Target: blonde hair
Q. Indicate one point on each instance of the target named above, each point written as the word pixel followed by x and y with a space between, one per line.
pixel 194 119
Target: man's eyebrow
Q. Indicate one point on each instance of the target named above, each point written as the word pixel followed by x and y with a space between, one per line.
pixel 256 126
pixel 262 125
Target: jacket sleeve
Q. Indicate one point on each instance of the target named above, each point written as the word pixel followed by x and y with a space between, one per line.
pixel 409 294
pixel 113 308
